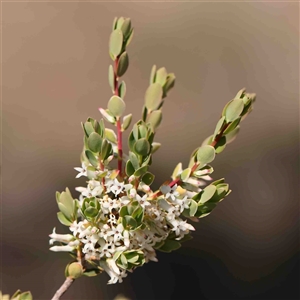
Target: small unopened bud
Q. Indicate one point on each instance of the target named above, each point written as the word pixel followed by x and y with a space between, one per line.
pixel 75 270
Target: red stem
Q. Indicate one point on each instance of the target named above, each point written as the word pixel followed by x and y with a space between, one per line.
pixel 119 129
pixel 218 137
pixel 120 146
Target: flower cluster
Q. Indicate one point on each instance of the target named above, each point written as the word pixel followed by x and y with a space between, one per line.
pixel 119 222
pixel 124 221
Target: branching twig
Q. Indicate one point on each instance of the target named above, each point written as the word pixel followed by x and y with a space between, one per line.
pixel 63 288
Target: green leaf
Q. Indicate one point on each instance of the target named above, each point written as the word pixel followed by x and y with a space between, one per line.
pixel 110 135
pixel 25 296
pixel 153 74
pixel 141 171
pixel 107 116
pixel 169 246
pixel 234 109
pixel 129 169
pixel 126 27
pixel 91 273
pixel 153 96
pixel 142 131
pixel 116 106
pixel 205 155
pixel 122 89
pixel 240 94
pixel 91 212
pixel 88 128
pixel 148 178
pixel 116 42
pixel 94 142
pixel 91 157
pixel 134 160
pixel 144 113
pixel 106 149
pixel 155 118
pixel 177 171
pixel 218 127
pixel 142 147
pixel 124 261
pixel 123 64
pixel 62 219
pixel 161 76
pixel 220 145
pixel 169 84
pixel 91 172
pixel 129 222
pixel 193 208
pixel 185 174
pixel 114 23
pixel 111 78
pixel 207 193
pixel 126 121
pixel 129 37
pixel 155 147
pixel 66 203
pixel 232 126
pixel 230 137
pixel 120 23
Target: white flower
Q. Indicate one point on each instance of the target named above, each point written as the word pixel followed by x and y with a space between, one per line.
pixel 117 232
pixel 65 248
pixel 108 205
pixel 142 200
pixel 63 238
pixel 117 187
pixel 82 171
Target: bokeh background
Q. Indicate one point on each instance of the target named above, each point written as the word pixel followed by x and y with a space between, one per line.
pixel 54 75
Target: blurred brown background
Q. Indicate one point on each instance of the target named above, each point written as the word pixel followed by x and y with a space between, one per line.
pixel 54 75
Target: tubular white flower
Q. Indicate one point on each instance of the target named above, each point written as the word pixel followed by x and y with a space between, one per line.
pixel 63 238
pixel 66 248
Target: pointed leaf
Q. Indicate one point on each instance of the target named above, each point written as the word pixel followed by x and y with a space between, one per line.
pixel 207 193
pixel 141 171
pixel 153 74
pixel 122 89
pixel 134 160
pixel 62 219
pixel 169 84
pixel 218 127
pixel 126 121
pixel 129 39
pixel 129 169
pixel 123 64
pixel 155 147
